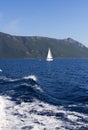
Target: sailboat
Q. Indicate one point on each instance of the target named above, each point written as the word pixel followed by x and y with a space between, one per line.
pixel 49 56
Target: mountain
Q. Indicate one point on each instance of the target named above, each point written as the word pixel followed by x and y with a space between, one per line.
pixel 37 47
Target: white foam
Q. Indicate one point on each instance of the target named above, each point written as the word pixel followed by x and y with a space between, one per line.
pixel 31 77
pixel 3 121
pixel 38 88
pixel 15 116
pixel 8 79
pixel 0 70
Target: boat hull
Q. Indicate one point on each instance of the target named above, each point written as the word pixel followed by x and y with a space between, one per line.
pixel 49 59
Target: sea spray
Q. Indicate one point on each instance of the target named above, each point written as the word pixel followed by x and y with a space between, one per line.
pixel 33 77
pixel 3 120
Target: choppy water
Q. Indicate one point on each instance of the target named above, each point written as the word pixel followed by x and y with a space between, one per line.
pixel 40 95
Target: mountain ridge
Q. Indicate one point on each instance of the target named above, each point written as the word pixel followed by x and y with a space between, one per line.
pixel 12 46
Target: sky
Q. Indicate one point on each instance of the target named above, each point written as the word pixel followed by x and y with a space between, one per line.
pixel 49 18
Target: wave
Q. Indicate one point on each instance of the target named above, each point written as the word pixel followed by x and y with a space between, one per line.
pixel 27 79
pixel 0 70
pixel 2 113
pixel 23 89
pixel 33 77
pixel 39 115
pixel 28 88
pixel 24 102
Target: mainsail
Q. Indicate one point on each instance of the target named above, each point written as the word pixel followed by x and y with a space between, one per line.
pixel 49 56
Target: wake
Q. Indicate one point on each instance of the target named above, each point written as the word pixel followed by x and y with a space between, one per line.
pixel 38 115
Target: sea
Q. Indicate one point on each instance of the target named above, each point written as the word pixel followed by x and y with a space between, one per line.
pixel 39 95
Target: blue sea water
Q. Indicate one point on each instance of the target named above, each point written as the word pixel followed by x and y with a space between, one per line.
pixel 56 92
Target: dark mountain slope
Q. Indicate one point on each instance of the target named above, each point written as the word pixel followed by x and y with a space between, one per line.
pixel 37 47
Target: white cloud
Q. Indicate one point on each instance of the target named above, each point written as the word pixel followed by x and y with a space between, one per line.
pixel 12 26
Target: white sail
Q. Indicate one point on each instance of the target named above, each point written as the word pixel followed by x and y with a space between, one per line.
pixel 49 56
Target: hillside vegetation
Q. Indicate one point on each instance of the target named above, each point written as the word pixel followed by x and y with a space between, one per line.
pixel 37 47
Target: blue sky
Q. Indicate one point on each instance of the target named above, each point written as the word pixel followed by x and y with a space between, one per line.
pixel 51 18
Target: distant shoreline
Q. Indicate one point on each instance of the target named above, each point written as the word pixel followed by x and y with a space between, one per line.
pixel 31 47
